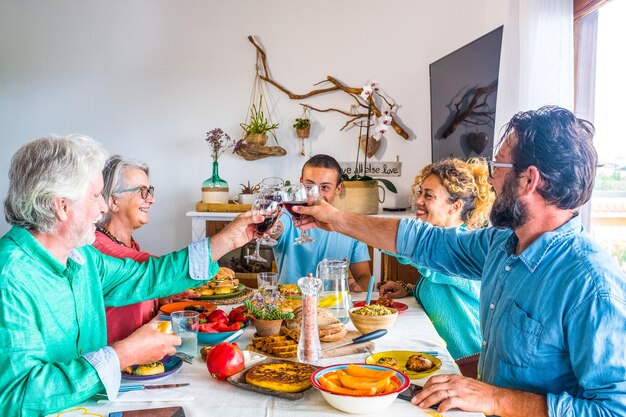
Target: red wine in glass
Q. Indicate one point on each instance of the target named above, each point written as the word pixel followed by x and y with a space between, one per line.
pixel 268 223
pixel 289 205
pixel 269 209
pixel 299 195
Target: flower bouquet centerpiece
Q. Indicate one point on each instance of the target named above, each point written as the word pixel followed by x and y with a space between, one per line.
pixel 215 189
pixel 265 312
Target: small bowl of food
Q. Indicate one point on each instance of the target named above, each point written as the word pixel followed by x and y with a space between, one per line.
pixel 373 317
pixel 359 388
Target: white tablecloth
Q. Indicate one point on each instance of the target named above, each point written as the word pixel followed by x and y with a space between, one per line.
pixel 412 331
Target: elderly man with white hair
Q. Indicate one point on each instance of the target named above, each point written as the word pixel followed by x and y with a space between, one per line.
pixel 54 286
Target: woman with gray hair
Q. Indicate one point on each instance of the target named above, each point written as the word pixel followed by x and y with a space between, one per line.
pixel 128 195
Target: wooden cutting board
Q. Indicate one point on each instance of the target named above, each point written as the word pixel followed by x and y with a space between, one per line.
pixel 353 349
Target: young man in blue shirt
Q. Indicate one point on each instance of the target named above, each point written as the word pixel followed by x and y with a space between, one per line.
pixel 296 261
pixel 553 302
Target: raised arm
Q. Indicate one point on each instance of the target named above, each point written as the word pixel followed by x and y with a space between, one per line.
pixel 374 231
pixel 236 234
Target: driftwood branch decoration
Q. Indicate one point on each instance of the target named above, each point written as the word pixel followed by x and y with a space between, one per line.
pixel 336 86
pixel 251 152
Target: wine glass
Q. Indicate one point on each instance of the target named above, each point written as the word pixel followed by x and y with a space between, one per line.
pixel 271 192
pixel 300 195
pixel 270 209
pixel 272 182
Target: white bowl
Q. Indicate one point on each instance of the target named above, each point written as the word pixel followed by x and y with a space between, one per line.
pixel 359 404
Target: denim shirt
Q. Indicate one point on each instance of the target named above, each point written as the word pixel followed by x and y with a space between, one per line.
pixel 553 318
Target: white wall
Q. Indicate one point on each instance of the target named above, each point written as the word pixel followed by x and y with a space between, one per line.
pixel 148 78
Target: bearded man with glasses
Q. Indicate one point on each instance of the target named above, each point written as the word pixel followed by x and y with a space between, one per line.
pixel 552 302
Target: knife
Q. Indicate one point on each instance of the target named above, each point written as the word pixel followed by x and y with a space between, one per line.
pixel 139 387
pixel 361 339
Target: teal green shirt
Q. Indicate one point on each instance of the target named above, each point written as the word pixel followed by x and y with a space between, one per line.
pixel 451 304
pixel 51 315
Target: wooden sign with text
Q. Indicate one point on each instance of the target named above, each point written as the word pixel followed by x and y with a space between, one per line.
pixel 373 169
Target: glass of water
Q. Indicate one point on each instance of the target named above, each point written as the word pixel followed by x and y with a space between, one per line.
pixel 185 325
pixel 266 282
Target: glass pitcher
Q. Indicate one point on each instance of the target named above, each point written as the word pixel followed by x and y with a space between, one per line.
pixel 335 294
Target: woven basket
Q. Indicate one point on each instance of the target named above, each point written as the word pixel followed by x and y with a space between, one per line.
pixel 257 139
pixel 359 197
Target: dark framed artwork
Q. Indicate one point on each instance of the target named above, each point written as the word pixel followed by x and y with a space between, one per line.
pixel 463 93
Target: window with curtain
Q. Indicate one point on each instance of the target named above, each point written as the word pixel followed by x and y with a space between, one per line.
pixel 600 90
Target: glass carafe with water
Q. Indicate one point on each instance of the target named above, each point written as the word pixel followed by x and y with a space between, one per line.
pixel 335 294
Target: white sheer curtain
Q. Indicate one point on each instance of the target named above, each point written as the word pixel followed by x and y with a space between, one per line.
pixel 546 53
pixel 537 63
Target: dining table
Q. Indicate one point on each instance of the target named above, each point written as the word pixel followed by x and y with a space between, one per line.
pixel 206 396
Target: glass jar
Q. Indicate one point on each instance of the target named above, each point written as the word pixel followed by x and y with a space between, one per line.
pixel 309 349
pixel 215 189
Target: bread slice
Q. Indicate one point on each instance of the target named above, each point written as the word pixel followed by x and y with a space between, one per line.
pixel 291 347
pixel 334 336
pixel 330 329
pixel 329 326
pixel 286 355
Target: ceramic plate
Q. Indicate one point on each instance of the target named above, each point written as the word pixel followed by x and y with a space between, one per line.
pixel 401 357
pixel 171 363
pixel 401 307
pixel 168 309
pixel 240 289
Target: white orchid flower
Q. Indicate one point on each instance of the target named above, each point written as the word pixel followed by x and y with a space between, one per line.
pixel 366 93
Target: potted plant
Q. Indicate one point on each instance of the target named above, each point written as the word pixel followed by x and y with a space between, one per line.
pixel 360 192
pixel 248 193
pixel 265 312
pixel 303 127
pixel 256 130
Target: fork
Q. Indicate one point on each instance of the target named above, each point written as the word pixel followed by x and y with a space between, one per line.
pixel 185 357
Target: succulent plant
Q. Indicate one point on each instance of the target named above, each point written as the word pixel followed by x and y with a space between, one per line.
pixel 249 189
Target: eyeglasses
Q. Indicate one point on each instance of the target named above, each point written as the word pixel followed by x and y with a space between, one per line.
pixel 493 164
pixel 144 191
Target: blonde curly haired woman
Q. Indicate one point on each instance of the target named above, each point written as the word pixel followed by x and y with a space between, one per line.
pixel 450 193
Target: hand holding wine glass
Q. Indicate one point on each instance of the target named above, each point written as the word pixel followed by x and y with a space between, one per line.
pixel 300 195
pixel 271 192
pixel 270 210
